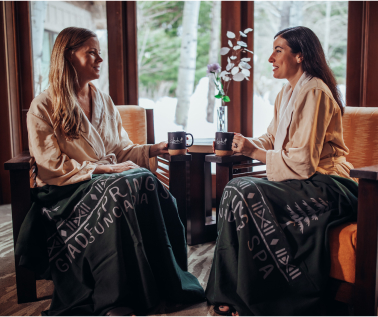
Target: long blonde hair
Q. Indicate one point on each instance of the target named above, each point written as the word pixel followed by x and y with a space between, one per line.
pixel 63 82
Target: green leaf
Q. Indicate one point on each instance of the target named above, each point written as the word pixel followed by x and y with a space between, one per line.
pixel 219 96
pixel 226 98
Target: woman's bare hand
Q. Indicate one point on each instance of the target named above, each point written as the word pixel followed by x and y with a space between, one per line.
pixel 115 168
pixel 242 145
pixel 124 166
pixel 158 149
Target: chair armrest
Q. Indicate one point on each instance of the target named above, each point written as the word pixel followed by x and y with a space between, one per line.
pixel 368 172
pixel 22 161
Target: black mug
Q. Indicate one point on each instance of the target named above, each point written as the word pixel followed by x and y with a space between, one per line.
pixel 223 143
pixel 177 142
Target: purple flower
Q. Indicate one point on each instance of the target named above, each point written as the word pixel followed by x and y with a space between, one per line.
pixel 213 68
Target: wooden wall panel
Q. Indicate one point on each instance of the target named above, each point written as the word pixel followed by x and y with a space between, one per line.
pixel 16 84
pixel 247 19
pixel 354 53
pixel 24 63
pixel 370 91
pixel 115 52
pixel 237 16
pixel 231 21
pixel 122 50
pixel 5 139
pixel 362 77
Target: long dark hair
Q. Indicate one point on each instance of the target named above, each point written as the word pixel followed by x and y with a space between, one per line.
pixel 302 40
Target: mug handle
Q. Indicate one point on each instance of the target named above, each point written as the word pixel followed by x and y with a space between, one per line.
pixel 192 139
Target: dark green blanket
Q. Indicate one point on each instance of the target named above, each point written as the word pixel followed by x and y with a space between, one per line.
pixel 272 254
pixel 115 240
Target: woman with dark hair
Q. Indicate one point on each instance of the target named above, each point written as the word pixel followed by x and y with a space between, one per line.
pixel 101 226
pixel 272 256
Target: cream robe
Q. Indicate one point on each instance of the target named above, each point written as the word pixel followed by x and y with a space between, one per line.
pixel 314 139
pixel 105 141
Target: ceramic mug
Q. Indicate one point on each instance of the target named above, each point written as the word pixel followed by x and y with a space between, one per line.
pixel 177 142
pixel 223 143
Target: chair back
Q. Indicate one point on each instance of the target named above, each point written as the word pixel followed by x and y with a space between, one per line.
pixel 134 122
pixel 360 131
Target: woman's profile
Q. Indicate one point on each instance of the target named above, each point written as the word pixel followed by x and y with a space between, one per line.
pixel 102 226
pixel 272 256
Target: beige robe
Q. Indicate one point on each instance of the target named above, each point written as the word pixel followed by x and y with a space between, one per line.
pixel 61 162
pixel 314 139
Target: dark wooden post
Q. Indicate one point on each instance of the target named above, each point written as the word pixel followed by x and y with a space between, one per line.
pixel 19 168
pixel 179 186
pixel 223 176
pixel 362 79
pixel 122 50
pixel 237 16
pixel 150 126
pixel 366 293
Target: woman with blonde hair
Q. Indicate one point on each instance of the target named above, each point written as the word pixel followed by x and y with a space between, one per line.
pixel 101 226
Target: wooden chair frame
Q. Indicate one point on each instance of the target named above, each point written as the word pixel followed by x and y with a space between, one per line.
pixel 363 294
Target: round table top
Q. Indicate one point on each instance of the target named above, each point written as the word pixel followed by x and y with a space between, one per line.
pixel 202 145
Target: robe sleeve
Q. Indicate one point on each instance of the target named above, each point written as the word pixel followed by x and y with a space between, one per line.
pixel 300 158
pixel 54 166
pixel 266 141
pixel 128 151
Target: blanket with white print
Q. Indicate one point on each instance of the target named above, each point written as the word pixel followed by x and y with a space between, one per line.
pixel 116 240
pixel 272 253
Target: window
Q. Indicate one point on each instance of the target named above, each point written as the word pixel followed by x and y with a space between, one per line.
pixel 329 21
pixel 179 97
pixel 48 18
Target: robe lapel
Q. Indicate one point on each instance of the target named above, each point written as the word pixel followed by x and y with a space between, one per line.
pixel 91 134
pixel 287 108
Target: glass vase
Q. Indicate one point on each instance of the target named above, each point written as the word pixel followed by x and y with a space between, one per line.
pixel 222 118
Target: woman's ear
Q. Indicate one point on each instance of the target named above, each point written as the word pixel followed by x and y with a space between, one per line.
pixel 299 58
pixel 68 55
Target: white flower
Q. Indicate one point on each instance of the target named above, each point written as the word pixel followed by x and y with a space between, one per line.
pixel 246 72
pixel 223 74
pixel 235 70
pixel 230 35
pixel 229 66
pixel 241 43
pixel 244 65
pixel 224 50
pixel 238 77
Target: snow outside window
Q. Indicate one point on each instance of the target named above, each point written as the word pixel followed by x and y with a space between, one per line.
pixel 176 41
